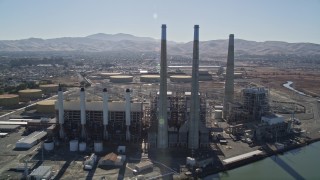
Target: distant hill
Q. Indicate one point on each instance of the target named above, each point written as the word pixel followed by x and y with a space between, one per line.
pixel 106 42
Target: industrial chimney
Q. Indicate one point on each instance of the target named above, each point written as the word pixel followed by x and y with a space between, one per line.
pixel 128 114
pixel 162 137
pixel 193 139
pixel 229 86
pixel 105 113
pixel 61 112
pixel 83 113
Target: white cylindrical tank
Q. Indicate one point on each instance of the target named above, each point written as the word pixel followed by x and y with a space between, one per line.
pixel 218 114
pixel 74 145
pixel 48 145
pixel 82 106
pixel 82 146
pixel 128 107
pixel 105 106
pixel 60 105
pixel 218 107
pixel 98 146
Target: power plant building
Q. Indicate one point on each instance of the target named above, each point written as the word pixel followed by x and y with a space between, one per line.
pixel 178 117
pixel 93 123
pixel 254 104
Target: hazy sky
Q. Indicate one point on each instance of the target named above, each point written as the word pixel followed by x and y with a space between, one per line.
pixel 282 20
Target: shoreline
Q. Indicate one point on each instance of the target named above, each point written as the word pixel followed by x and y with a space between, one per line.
pixel 255 158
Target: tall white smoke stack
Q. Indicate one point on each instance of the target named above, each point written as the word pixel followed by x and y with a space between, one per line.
pixel 83 112
pixel 105 113
pixel 61 111
pixel 162 137
pixel 193 139
pixel 128 114
pixel 229 84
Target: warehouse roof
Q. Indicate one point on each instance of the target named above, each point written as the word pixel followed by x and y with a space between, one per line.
pixel 97 106
pixel 41 171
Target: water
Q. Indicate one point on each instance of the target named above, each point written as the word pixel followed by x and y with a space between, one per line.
pixel 288 85
pixel 302 163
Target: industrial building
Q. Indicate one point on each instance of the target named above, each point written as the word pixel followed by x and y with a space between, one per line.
pixel 42 172
pixel 254 104
pixel 178 112
pixel 31 140
pixel 272 127
pixel 97 120
pixel 177 119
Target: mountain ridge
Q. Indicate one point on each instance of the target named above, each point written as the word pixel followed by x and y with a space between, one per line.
pixel 101 42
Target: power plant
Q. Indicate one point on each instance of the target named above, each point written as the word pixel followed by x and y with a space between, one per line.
pixel 172 118
pixel 149 114
pixel 181 115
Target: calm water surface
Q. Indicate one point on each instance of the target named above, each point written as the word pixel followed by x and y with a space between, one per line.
pixel 303 163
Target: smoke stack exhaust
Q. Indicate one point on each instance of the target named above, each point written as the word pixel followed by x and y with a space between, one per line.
pixel 229 84
pixel 128 114
pixel 193 139
pixel 83 112
pixel 61 112
pixel 105 113
pixel 162 137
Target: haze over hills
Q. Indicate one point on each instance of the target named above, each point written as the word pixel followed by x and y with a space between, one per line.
pixel 125 42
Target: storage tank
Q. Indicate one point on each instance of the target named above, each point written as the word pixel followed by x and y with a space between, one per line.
pixel 82 146
pixel 203 72
pixel 48 145
pixel 30 94
pixel 49 88
pixel 121 79
pixel 74 145
pixel 204 75
pixel 9 100
pixel 46 106
pixel 218 107
pixel 98 146
pixel 150 78
pixel 218 114
pixel 180 78
pixel 237 75
pixel 108 74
